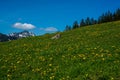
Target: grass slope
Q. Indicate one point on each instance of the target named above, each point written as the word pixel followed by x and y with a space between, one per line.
pixel 87 53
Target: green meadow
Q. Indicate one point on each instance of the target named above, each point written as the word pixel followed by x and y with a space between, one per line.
pixel 86 53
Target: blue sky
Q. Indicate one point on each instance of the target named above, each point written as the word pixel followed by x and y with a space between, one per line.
pixel 42 16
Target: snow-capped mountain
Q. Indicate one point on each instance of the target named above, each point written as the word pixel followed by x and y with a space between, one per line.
pixel 22 34
pixel 14 36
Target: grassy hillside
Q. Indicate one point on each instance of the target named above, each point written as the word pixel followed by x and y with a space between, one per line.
pixel 87 53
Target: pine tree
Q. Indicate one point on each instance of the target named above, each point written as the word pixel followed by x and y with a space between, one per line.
pixel 75 25
pixel 67 28
pixel 101 19
pixel 93 21
pixel 87 21
pixel 117 14
pixel 109 16
pixel 82 23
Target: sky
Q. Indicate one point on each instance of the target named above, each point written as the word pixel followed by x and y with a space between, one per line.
pixel 47 16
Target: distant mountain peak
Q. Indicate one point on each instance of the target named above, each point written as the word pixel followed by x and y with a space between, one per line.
pixel 22 34
pixel 15 35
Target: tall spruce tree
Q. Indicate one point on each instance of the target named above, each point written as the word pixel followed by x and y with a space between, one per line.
pixel 101 19
pixel 109 16
pixel 75 25
pixel 117 14
pixel 67 28
pixel 93 21
pixel 87 21
pixel 82 23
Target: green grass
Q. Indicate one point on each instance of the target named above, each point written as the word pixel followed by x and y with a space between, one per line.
pixel 87 53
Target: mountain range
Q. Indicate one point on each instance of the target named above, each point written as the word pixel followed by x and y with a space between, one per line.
pixel 15 35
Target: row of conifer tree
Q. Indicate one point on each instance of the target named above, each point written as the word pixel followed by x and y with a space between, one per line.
pixel 105 17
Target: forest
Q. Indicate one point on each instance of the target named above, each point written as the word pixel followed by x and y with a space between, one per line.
pixel 105 17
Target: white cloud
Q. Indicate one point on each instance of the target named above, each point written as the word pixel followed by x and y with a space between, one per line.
pixel 49 29
pixel 24 26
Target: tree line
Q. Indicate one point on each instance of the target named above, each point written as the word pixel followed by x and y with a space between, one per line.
pixel 105 17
